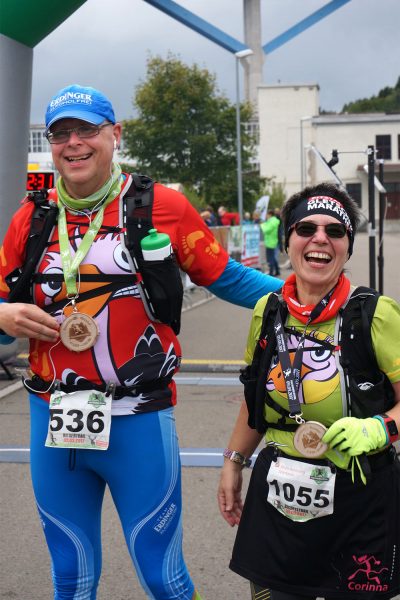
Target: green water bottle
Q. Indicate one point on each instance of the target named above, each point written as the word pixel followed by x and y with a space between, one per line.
pixel 156 246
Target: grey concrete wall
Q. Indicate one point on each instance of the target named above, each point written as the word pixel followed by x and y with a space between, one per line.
pixel 15 101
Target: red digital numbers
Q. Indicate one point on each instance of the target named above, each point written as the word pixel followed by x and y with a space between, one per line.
pixel 39 180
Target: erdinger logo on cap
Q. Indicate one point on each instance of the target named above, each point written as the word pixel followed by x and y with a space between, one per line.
pixel 70 98
pixel 316 203
pixel 78 102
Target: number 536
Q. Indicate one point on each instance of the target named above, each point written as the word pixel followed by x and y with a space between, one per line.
pixel 92 420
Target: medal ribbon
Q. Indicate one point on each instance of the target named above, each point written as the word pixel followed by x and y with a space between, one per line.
pixel 71 265
pixel 291 372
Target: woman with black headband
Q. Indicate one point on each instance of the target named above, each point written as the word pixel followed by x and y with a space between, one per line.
pixel 322 512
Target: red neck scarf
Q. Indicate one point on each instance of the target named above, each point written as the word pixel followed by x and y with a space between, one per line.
pixel 302 311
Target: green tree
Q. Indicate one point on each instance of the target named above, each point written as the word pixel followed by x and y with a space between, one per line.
pixel 185 131
pixel 387 101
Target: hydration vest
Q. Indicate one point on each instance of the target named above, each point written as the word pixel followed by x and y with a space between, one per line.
pixel 159 282
pixel 368 391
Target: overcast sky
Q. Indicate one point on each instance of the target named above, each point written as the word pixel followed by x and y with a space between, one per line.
pixel 351 54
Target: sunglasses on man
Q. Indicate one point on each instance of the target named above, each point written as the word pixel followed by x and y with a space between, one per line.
pixel 308 229
pixel 83 131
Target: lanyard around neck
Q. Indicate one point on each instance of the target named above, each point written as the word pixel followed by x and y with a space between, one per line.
pixel 291 372
pixel 71 265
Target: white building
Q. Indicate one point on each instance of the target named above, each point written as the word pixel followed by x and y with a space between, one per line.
pixel 294 137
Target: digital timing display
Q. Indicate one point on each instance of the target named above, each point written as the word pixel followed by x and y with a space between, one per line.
pixel 39 180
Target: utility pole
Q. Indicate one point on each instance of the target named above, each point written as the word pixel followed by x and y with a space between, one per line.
pixel 382 207
pixel 371 215
pixel 238 56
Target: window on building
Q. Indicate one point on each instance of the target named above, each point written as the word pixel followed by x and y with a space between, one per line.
pixel 38 141
pixel 354 189
pixel 383 146
pixel 252 128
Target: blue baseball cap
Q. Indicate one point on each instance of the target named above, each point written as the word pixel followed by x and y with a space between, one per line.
pixel 78 102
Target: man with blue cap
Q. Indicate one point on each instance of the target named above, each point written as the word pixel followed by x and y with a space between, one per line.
pixel 102 358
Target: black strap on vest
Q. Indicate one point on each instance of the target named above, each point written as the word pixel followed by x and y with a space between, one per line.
pixel 118 391
pixel 98 291
pixel 161 284
pixel 251 376
pixel 44 218
pixel 369 390
pixel 138 208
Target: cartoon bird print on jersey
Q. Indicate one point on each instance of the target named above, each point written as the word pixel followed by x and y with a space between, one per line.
pixel 319 376
pixel 141 360
pixel 111 260
pixel 148 362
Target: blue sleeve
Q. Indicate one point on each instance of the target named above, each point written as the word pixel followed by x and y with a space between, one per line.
pixel 4 338
pixel 242 285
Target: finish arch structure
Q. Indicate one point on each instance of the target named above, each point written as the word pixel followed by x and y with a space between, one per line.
pixel 17 40
pixel 252 62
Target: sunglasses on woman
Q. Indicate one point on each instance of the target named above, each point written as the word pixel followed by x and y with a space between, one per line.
pixel 308 229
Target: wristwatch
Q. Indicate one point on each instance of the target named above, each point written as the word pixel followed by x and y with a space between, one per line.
pixel 236 457
pixel 391 428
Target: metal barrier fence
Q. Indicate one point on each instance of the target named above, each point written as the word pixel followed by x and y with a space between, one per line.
pixel 193 295
pixel 242 242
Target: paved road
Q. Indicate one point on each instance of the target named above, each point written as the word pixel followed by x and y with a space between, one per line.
pixel 212 331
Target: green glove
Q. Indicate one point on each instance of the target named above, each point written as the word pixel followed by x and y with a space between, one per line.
pixel 340 459
pixel 356 436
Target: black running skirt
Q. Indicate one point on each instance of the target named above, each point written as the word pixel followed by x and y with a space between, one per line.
pixel 353 553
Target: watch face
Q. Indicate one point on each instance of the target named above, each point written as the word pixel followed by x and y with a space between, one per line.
pixel 236 458
pixel 390 425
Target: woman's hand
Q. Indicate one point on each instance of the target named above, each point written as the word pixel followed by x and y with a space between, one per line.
pixel 244 440
pixel 21 320
pixel 356 436
pixel 229 492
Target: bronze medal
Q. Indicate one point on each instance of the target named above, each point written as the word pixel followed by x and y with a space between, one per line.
pixel 307 439
pixel 79 332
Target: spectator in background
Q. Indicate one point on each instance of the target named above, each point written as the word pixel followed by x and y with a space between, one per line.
pixel 286 264
pixel 247 219
pixel 270 229
pixel 277 213
pixel 206 216
pixel 213 217
pixel 227 218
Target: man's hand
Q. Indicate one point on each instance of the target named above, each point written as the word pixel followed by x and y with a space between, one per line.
pixel 356 436
pixel 21 320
